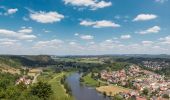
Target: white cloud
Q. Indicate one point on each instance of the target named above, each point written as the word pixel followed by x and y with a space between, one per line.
pixel 76 34
pixel 86 37
pixel 26 37
pixel 25 30
pixel 147 43
pixel 21 34
pixel 92 4
pixel 165 40
pixel 51 43
pixel 154 29
pixel 7 42
pixel 46 17
pixel 108 44
pixel 161 1
pixel 72 43
pixel 99 24
pixel 125 36
pixel 145 17
pixel 87 23
pixel 10 11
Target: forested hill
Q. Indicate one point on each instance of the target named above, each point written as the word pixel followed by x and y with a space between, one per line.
pixel 29 61
pixel 6 61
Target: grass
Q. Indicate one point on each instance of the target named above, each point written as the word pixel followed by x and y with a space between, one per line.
pixel 111 90
pixel 53 79
pixel 12 70
pixel 34 71
pixel 82 60
pixel 91 82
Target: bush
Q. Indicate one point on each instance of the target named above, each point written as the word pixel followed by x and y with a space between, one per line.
pixel 42 90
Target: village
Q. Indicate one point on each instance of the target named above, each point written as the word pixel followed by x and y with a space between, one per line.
pixel 155 65
pixel 143 84
pixel 29 76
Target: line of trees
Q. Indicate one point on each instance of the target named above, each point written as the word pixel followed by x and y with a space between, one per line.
pixel 66 85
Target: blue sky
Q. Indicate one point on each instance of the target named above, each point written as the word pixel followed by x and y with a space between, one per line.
pixel 84 27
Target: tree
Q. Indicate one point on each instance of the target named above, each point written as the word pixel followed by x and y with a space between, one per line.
pixel 21 86
pixel 26 71
pixel 12 93
pixel 22 71
pixel 42 90
pixel 145 91
pixel 165 96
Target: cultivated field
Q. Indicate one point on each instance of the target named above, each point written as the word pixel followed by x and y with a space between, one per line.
pixel 34 71
pixel 111 90
pixel 8 69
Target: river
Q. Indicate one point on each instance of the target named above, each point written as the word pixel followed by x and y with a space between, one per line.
pixel 81 92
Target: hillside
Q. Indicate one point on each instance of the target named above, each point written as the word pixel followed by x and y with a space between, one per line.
pixel 13 64
pixel 29 61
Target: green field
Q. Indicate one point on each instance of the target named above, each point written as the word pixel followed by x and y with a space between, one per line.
pixel 58 90
pixel 81 60
pixel 91 82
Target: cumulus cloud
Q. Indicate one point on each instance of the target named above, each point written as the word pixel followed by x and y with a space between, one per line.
pixel 55 43
pixel 21 34
pixel 10 11
pixel 46 17
pixel 7 41
pixel 165 40
pixel 145 17
pixel 154 29
pixel 99 24
pixel 25 30
pixel 125 36
pixel 86 37
pixel 92 4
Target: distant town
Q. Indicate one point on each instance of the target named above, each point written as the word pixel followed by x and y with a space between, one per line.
pixel 141 82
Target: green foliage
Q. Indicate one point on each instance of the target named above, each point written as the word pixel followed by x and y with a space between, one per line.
pixel 145 91
pixel 118 97
pixel 4 60
pixel 118 65
pixel 165 96
pixel 42 90
pixel 12 92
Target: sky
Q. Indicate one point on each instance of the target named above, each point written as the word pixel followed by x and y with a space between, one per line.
pixel 84 27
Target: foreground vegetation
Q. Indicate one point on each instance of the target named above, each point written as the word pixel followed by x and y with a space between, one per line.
pixel 88 80
pixel 54 79
pixel 10 91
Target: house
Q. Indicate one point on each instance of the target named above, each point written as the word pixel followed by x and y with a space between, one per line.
pixel 24 80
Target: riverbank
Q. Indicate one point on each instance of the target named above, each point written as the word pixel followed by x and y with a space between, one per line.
pixel 59 92
pixel 102 86
pixel 89 81
pixel 83 92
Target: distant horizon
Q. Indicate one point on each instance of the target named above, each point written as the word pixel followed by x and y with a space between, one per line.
pixel 82 55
